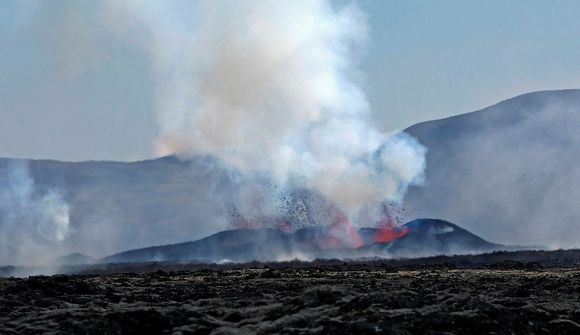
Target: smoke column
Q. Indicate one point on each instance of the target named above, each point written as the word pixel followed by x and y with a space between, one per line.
pixel 31 224
pixel 272 89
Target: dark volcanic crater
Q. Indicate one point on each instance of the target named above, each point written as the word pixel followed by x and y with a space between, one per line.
pixel 423 237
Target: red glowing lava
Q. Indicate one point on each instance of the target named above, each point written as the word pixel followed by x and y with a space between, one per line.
pixel 341 234
pixel 387 231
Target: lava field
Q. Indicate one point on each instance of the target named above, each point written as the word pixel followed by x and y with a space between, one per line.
pixel 506 297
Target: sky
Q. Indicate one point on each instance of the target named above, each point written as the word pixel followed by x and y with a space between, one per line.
pixel 72 89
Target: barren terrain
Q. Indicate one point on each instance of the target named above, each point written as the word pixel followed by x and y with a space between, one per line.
pixel 303 298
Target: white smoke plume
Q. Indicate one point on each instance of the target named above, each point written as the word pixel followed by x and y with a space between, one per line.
pixel 31 224
pixel 272 88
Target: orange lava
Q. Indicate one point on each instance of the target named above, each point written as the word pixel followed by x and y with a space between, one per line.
pixel 388 231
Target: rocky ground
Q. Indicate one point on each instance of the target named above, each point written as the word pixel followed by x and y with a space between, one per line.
pixel 340 298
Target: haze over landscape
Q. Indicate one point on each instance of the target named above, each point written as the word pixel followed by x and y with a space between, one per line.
pixel 251 119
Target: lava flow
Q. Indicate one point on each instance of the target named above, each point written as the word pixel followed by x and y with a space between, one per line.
pixel 387 231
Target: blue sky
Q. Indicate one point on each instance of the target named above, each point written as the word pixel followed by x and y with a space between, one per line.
pixel 432 59
pixel 71 89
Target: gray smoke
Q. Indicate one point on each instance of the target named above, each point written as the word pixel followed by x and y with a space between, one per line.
pixel 272 88
pixel 32 223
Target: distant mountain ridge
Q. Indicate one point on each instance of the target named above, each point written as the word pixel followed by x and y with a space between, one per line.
pixel 508 173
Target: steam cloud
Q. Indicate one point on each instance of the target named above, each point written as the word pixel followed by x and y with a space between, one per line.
pixel 30 223
pixel 272 89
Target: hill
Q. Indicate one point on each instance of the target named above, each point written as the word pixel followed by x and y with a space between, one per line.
pixel 424 237
pixel 508 172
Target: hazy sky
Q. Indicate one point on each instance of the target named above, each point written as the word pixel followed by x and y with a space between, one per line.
pixel 71 89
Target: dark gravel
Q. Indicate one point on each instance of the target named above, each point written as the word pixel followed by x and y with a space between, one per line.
pixel 506 298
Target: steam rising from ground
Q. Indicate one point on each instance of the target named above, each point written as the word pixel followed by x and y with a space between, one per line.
pixel 272 89
pixel 31 223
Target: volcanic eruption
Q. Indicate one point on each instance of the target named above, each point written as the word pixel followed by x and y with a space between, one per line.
pixel 273 90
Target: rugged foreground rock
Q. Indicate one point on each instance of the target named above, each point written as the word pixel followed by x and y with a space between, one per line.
pixel 502 298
